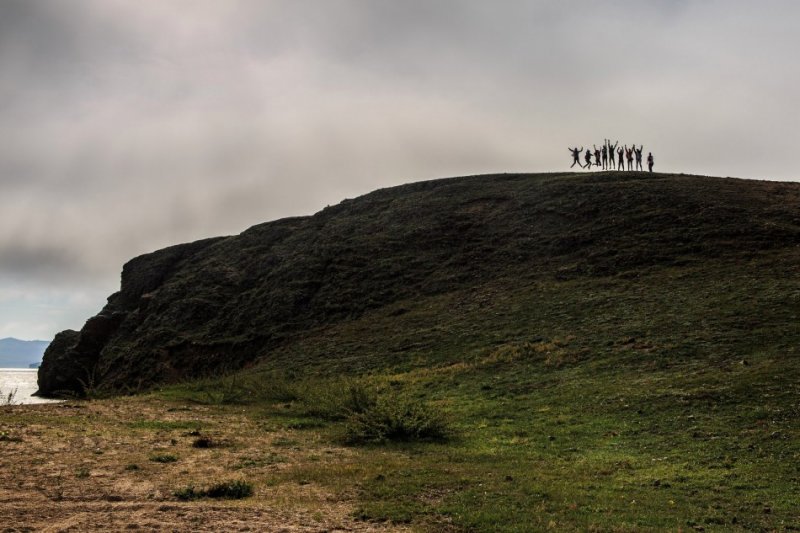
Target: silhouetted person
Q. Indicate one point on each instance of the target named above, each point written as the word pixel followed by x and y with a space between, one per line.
pixel 576 156
pixel 620 153
pixel 588 158
pixel 650 161
pixel 596 157
pixel 629 156
pixel 605 155
pixel 638 156
pixel 611 152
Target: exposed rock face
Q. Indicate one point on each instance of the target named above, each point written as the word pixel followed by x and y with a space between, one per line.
pixel 71 364
pixel 226 302
pixel 61 370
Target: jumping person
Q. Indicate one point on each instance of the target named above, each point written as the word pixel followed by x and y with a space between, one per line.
pixel 588 158
pixel 611 153
pixel 650 161
pixel 605 156
pixel 638 156
pixel 596 157
pixel 576 156
pixel 620 153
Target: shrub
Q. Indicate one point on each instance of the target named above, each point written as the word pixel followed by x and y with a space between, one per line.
pixel 338 399
pixel 228 490
pixel 164 458
pixel 394 417
pixel 188 493
pixel 203 442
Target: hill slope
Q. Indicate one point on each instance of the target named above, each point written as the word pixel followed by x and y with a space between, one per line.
pixel 414 274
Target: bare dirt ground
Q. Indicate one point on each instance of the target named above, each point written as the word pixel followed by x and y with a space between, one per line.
pixel 115 465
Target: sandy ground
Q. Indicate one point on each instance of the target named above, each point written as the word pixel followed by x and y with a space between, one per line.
pixel 88 466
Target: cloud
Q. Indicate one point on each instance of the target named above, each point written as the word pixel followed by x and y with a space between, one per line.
pixel 131 126
pixel 37 262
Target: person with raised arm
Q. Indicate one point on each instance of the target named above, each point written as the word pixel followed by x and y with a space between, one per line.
pixel 611 153
pixel 638 156
pixel 605 155
pixel 576 156
pixel 596 156
pixel 620 153
pixel 629 156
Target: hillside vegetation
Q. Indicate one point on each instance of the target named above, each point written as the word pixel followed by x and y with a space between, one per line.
pixel 615 351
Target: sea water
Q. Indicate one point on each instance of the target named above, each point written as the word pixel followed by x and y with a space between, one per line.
pixel 21 380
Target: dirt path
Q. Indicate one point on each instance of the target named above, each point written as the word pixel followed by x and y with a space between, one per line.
pixel 115 465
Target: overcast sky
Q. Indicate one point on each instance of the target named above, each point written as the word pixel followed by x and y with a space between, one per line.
pixel 130 125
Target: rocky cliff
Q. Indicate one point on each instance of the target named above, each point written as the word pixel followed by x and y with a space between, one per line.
pixel 225 303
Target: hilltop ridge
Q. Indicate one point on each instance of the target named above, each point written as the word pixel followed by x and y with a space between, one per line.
pixel 255 298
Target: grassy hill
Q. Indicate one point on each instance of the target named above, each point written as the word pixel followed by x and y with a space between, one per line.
pixel 614 351
pixel 229 302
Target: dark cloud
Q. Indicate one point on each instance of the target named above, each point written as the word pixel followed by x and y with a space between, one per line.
pixel 128 126
pixel 41 263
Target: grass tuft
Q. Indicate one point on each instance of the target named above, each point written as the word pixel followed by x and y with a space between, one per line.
pixel 7 398
pixel 164 458
pixel 228 490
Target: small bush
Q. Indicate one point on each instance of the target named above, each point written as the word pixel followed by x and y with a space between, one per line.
pixel 396 418
pixel 7 437
pixel 164 458
pixel 338 400
pixel 188 493
pixel 231 490
pixel 203 442
pixel 228 490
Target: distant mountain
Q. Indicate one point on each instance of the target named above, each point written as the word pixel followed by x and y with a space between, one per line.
pixel 15 353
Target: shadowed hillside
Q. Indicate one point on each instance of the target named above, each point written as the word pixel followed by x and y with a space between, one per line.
pixel 355 285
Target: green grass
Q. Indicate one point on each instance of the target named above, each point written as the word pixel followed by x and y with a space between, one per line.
pixel 665 401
